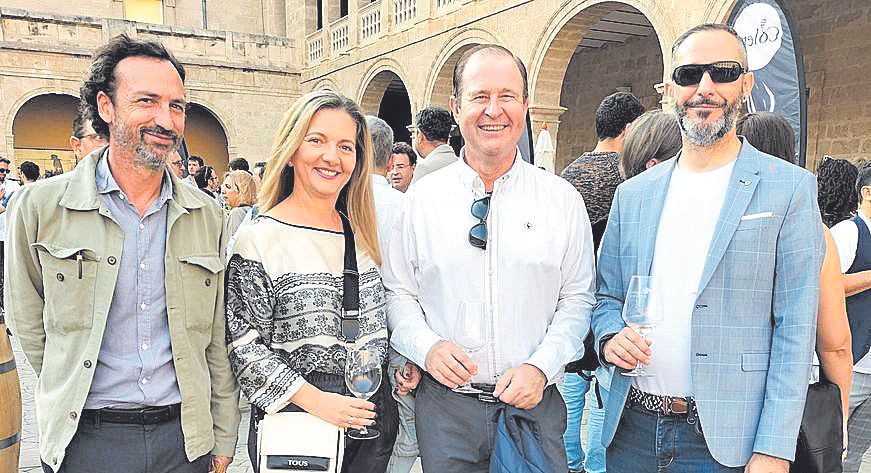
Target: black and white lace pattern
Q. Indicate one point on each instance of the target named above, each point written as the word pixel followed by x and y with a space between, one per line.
pixel 282 327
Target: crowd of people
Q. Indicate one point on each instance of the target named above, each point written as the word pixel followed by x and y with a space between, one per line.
pixel 147 292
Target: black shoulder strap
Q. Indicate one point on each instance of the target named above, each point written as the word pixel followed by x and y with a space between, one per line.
pixel 350 285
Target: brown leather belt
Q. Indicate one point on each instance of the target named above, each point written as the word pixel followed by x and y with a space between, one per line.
pixel 661 405
pixel 142 416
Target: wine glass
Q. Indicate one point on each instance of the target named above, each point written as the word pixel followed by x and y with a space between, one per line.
pixel 363 377
pixel 469 332
pixel 642 310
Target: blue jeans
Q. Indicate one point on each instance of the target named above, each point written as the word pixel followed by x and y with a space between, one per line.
pixel 574 390
pixel 656 443
pixel 595 461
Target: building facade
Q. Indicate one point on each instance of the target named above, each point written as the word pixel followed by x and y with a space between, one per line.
pixel 249 59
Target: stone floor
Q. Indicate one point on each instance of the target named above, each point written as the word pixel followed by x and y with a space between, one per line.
pixel 29 461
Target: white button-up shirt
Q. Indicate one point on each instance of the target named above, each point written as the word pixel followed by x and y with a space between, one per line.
pixel 533 285
pixel 387 201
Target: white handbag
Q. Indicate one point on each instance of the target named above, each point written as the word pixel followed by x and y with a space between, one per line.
pixel 299 441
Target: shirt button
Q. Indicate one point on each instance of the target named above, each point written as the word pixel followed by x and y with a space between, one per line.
pixel 60 277
pixel 208 282
pixel 144 380
pixel 111 260
pixel 143 306
pixel 73 415
pixel 145 346
pixel 121 196
pixel 142 226
pixel 87 363
pixel 141 265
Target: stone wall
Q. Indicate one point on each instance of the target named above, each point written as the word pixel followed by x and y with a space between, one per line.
pixel 836 37
pixel 594 74
pixel 247 81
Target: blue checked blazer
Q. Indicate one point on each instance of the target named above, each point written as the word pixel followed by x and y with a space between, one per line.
pixel 754 320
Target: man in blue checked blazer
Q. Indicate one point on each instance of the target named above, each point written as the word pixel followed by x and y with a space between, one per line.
pixel 734 236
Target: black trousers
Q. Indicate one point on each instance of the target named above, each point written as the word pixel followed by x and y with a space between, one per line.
pixel 361 456
pixel 102 447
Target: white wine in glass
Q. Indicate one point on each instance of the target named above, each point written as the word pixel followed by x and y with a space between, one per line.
pixel 642 310
pixel 363 378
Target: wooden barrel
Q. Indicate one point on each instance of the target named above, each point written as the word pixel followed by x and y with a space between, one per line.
pixel 10 405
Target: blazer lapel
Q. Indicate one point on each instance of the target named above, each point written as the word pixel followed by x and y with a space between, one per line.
pixel 742 185
pixel 652 200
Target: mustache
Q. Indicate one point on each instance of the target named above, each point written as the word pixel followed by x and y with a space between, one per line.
pixel 703 101
pixel 160 131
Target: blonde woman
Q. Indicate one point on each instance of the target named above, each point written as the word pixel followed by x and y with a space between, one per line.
pixel 239 192
pixel 284 279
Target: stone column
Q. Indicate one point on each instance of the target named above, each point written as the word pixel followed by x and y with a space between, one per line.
pixel 539 115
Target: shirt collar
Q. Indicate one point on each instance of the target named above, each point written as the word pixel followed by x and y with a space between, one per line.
pixel 504 182
pixel 379 180
pixel 106 183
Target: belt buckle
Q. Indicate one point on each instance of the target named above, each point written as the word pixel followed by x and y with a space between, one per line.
pixel 486 392
pixel 674 405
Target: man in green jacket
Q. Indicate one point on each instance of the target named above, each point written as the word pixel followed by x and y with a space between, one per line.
pixel 115 287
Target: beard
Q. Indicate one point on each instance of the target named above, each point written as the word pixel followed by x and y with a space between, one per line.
pixel 707 134
pixel 152 157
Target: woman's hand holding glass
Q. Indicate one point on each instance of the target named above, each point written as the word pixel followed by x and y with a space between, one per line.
pixel 339 410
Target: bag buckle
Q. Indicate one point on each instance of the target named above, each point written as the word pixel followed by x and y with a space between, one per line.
pixel 350 325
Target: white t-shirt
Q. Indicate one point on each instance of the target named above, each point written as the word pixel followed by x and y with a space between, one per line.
pixel 846 236
pixel 686 229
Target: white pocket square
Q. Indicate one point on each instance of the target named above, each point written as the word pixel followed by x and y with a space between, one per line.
pixel 757 216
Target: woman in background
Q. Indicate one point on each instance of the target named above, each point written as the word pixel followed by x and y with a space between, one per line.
pixel 653 138
pixel 238 191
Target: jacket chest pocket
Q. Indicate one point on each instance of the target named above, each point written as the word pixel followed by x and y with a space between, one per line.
pixel 199 278
pixel 69 278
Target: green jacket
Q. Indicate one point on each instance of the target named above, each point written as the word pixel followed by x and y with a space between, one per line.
pixel 62 250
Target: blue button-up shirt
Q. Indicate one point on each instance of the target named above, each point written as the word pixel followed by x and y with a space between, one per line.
pixel 135 366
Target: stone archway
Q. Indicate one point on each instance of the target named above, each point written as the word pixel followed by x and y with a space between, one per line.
pixel 206 137
pixel 41 130
pixel 590 50
pixel 386 96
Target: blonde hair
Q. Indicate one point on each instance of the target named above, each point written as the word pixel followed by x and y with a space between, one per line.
pixel 245 185
pixel 277 182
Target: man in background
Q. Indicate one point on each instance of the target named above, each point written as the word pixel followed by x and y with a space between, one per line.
pixel 434 126
pixel 402 164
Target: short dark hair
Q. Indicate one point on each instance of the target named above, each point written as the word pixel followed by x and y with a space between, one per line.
pixel 770 133
pixel 435 123
pixel 30 170
pixel 835 178
pixel 863 179
pixel 615 112
pixel 708 27
pixel 4 160
pixel 493 48
pixel 101 74
pixel 239 164
pixel 196 158
pixel 406 149
pixel 203 175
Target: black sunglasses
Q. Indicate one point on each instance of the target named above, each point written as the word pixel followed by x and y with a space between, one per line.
pixel 721 72
pixel 478 233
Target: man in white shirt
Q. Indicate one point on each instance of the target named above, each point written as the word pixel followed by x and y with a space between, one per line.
pixel 387 199
pixel 489 277
pixel 734 237
pixel 853 239
pixel 434 126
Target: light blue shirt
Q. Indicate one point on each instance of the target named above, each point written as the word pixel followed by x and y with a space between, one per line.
pixel 135 366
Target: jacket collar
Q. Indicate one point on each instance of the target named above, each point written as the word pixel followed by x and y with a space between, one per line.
pixel 81 191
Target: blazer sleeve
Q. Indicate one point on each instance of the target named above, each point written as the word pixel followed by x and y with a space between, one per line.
pixel 607 317
pixel 799 256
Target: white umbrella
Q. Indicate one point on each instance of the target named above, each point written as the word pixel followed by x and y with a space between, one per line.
pixel 544 150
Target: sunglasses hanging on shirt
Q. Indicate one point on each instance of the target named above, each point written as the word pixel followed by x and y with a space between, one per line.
pixel 721 72
pixel 478 233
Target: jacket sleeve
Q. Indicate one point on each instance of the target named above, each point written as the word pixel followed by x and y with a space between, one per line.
pixel 607 316
pixel 800 250
pixel 265 377
pixel 23 290
pixel 225 391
